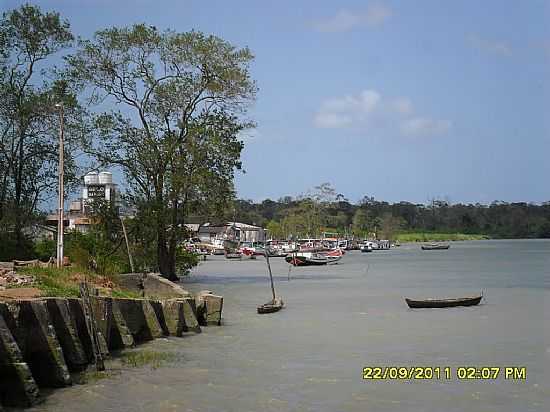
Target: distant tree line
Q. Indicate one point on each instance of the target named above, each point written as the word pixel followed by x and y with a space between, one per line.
pixel 324 210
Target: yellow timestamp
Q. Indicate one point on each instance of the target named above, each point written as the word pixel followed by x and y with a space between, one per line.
pixel 444 372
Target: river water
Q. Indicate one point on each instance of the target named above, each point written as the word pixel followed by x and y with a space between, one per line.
pixel 341 318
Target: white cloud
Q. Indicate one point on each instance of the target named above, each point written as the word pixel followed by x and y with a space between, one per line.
pixel 369 110
pixel 490 46
pixel 344 111
pixel 425 126
pixel 345 20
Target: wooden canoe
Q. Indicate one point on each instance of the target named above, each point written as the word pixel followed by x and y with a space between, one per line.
pixel 444 303
pixel 271 306
pixel 435 247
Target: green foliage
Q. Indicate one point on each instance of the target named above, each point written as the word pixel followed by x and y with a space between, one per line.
pixel 12 248
pixel 44 249
pixel 308 215
pixel 176 140
pixel 275 230
pixel 54 282
pixel 436 237
pixel 64 282
pixel 185 260
pixel 29 123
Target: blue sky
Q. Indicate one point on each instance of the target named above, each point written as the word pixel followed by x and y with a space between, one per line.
pixel 399 100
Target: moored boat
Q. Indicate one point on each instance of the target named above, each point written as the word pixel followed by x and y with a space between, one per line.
pixel 366 247
pixel 435 246
pixel 233 255
pixel 306 259
pixel 272 306
pixel 276 303
pixel 444 303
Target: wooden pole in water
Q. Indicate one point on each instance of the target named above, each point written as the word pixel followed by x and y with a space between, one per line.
pixel 270 274
pixel 128 245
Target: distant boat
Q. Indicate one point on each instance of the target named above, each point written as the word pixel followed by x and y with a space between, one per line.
pixel 276 303
pixel 314 258
pixel 435 246
pixel 444 303
pixel 272 306
pixel 233 255
pixel 366 247
pixel 306 259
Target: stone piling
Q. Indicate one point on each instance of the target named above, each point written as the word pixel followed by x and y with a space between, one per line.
pixel 41 340
pixel 66 330
pixel 17 386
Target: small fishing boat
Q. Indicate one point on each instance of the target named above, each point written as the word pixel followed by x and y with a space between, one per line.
pixel 444 303
pixel 276 303
pixel 333 255
pixel 233 255
pixel 307 259
pixel 271 306
pixel 366 247
pixel 435 246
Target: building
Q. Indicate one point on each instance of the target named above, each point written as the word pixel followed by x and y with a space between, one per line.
pixel 244 232
pixel 97 186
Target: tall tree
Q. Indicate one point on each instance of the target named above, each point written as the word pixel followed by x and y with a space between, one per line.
pixel 182 98
pixel 29 121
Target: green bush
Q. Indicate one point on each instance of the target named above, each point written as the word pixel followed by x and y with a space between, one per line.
pixel 185 260
pixel 45 249
pixel 10 250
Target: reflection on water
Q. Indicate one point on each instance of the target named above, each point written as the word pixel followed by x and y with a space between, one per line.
pixel 309 357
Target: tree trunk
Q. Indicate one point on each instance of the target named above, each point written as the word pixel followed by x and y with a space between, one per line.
pixel 166 256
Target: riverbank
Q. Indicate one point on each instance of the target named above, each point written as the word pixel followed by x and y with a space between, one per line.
pixel 437 237
pixel 48 342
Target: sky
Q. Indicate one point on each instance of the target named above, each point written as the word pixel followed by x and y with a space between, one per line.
pixel 400 100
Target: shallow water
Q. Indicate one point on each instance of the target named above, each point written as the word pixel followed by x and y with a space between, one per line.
pixel 340 318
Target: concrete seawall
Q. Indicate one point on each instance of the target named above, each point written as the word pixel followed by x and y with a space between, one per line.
pixel 43 340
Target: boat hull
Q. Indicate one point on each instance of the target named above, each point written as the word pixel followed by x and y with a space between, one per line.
pixel 442 247
pixel 299 260
pixel 271 307
pixel 443 303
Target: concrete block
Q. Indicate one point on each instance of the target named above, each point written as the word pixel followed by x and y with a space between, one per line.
pixel 151 319
pixel 190 315
pixel 214 307
pixel 101 308
pixel 132 282
pixel 156 286
pixel 17 386
pixel 35 335
pixel 111 323
pixel 208 308
pixel 140 318
pixel 174 317
pixel 67 333
pixel 119 330
pixel 159 312
pixel 77 312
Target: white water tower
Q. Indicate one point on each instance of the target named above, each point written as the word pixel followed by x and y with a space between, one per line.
pixel 105 178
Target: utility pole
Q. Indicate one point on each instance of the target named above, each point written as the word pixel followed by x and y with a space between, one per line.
pixel 128 245
pixel 61 199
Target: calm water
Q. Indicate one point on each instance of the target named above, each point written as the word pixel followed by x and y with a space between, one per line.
pixel 340 318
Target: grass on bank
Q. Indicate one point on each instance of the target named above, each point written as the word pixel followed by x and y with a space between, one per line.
pixel 54 282
pixel 145 357
pixel 115 365
pixel 437 237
